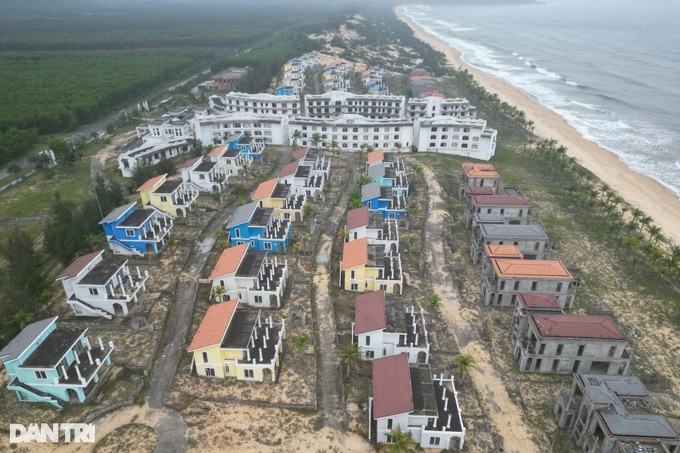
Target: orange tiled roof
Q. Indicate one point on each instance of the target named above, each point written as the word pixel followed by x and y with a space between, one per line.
pixel 474 172
pixel 531 268
pixel 229 261
pixel 503 251
pixel 577 326
pixel 354 253
pixel 152 182
pixel 217 150
pixel 375 156
pixel 265 188
pixel 214 325
pixel 289 169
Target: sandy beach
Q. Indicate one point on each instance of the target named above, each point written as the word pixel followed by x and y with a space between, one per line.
pixel 639 190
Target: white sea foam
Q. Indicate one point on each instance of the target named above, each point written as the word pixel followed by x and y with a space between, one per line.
pixel 642 146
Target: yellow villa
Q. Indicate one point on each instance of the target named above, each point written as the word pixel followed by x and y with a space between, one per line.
pixel 286 201
pixel 366 267
pixel 237 342
pixel 173 197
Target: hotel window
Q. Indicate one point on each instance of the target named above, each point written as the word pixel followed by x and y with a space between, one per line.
pixel 130 233
pixel 354 287
pixel 464 145
pixel 434 440
pixel 205 357
pixel 559 287
pixel 93 292
pixel 210 372
pixel 267 245
pixel 40 375
pixel 534 285
pixel 164 199
pixel 258 299
pixel 249 373
pixel 390 423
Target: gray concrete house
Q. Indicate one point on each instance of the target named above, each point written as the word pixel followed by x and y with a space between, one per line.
pixel 614 414
pixel 478 175
pixel 515 209
pixel 558 343
pixel 502 279
pixel 531 240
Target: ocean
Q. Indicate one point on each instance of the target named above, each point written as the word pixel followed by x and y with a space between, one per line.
pixel 611 68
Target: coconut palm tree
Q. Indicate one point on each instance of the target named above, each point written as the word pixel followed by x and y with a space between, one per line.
pixel 333 145
pixel 464 364
pixel 216 293
pixel 22 318
pixel 316 139
pixel 645 222
pixel 400 441
pixel 413 209
pixel 301 341
pixel 350 355
pixel 297 135
pixel 343 234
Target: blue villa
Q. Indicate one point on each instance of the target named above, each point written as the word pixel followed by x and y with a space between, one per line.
pixel 132 231
pixel 388 177
pixel 249 147
pixel 51 364
pixel 384 200
pixel 259 226
pixel 285 90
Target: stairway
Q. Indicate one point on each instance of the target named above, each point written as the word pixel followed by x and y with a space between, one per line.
pixel 60 403
pixel 99 311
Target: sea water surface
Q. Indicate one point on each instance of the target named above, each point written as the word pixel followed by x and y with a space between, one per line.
pixel 611 68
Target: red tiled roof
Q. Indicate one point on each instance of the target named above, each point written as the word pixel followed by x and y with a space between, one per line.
pixel 369 312
pixel 265 188
pixel 229 261
pixel 392 393
pixel 354 253
pixel 288 169
pixel 78 265
pixel 480 190
pixel 500 200
pixel 300 153
pixel 152 182
pixel 538 300
pixel 375 156
pixel 214 325
pixel 577 326
pixel 503 251
pixel 217 150
pixel 191 162
pixel 357 218
pixel 476 172
pixel 531 268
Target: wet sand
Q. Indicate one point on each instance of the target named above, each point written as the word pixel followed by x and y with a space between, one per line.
pixel 639 190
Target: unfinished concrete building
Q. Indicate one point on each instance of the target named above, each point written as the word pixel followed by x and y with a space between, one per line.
pixel 478 175
pixel 614 414
pixel 531 240
pixel 514 208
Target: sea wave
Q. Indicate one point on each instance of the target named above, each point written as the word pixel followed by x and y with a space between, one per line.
pixel 643 146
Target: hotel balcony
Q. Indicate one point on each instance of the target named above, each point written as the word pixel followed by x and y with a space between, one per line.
pixel 277 229
pixel 158 231
pixel 128 286
pixel 87 364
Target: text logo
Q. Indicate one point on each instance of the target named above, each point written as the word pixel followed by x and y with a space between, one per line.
pixel 72 432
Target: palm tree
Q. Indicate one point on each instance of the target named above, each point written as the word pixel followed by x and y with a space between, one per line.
pixel 301 341
pixel 343 234
pixel 413 209
pixel 216 293
pixel 398 146
pixel 16 169
pixel 223 244
pixel 333 145
pixel 434 299
pixel 464 364
pixel 308 209
pixel 22 318
pixel 645 221
pixel 316 139
pixel 350 355
pixel 297 135
pixel 400 441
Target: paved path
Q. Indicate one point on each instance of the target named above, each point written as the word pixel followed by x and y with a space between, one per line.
pixel 507 417
pixel 331 369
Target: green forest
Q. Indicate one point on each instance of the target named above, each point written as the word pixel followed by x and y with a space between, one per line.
pixel 65 64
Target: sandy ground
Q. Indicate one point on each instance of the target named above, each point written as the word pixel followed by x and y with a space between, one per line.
pixel 640 190
pixel 99 160
pixel 506 416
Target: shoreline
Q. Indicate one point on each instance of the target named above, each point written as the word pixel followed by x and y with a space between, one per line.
pixel 639 190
